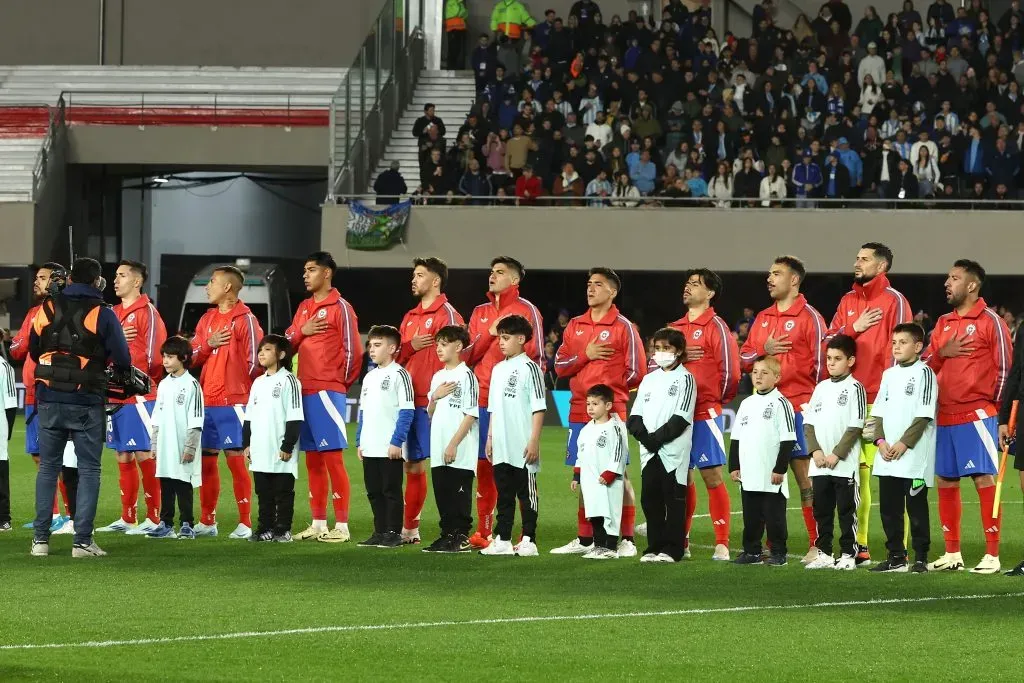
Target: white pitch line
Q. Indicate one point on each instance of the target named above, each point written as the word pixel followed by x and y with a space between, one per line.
pixel 509 620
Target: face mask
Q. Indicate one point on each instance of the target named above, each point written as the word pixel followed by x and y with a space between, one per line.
pixel 664 359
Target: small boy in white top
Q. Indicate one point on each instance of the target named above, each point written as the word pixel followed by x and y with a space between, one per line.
pixel 661 421
pixel 832 429
pixel 9 399
pixel 178 416
pixel 763 439
pixel 454 440
pixel 904 413
pixel 516 401
pixel 270 433
pixel 600 467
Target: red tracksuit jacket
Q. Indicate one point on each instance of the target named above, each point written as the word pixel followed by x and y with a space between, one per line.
pixel 229 370
pixel 804 365
pixel 483 352
pixel 976 382
pixel 622 371
pixel 331 360
pixel 874 345
pixel 150 335
pixel 421 365
pixel 19 351
pixel 718 372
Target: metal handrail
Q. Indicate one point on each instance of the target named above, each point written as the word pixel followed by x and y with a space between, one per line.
pixel 54 129
pixel 218 99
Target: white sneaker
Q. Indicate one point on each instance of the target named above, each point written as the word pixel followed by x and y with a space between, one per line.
pixel 573 547
pixel 68 527
pixel 686 553
pixel 120 527
pixel 602 554
pixel 205 529
pixel 846 563
pixel 721 553
pixel 241 533
pixel 988 565
pixel 40 549
pixel 640 530
pixel 649 557
pixel 811 556
pixel 822 561
pixel 411 536
pixel 665 558
pixel 91 550
pixel 627 549
pixel 526 548
pixel 142 529
pixel 949 562
pixel 499 547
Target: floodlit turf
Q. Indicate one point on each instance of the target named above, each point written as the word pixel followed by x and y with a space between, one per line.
pixel 387 615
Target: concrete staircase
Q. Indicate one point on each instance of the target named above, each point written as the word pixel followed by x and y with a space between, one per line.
pixel 18 156
pixel 453 94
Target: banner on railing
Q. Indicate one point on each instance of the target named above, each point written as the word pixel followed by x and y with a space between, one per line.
pixel 373 229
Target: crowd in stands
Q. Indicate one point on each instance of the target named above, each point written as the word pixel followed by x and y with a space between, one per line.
pixel 584 111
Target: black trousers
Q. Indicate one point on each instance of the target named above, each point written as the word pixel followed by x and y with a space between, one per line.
pixel 895 495
pixel 69 475
pixel 176 491
pixel 764 511
pixel 664 502
pixel 453 493
pixel 602 539
pixel 832 495
pixel 456 58
pixel 515 483
pixel 383 480
pixel 276 495
pixel 5 491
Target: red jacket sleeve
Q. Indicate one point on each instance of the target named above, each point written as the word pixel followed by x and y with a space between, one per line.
pixel 200 349
pixel 636 358
pixel 568 362
pixel 751 350
pixel 535 347
pixel 728 360
pixel 248 334
pixel 479 340
pixel 405 351
pixel 294 332
pixel 838 324
pixel 353 344
pixel 931 355
pixel 156 336
pixel 19 345
pixel 1002 352
pixel 820 370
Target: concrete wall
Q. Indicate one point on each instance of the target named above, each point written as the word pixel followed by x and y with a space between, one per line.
pixel 185 32
pixel 17 225
pixel 672 239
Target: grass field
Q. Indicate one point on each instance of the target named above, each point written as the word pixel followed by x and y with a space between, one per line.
pixel 216 609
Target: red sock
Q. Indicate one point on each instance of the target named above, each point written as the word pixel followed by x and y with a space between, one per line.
pixel 209 492
pixel 56 505
pixel 128 479
pixel 415 496
pixel 151 487
pixel 242 484
pixel 990 524
pixel 812 526
pixel 316 469
pixel 486 497
pixel 63 496
pixel 691 506
pixel 628 521
pixel 340 487
pixel 718 506
pixel 584 529
pixel 950 510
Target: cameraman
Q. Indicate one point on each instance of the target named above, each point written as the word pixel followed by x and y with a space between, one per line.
pixel 74 336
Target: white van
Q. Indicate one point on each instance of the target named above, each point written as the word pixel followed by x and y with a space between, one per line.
pixel 265 292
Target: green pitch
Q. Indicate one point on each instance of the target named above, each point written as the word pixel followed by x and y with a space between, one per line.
pixel 370 614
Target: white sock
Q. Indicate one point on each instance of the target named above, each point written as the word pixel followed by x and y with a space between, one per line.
pixel 320 524
pixel 341 526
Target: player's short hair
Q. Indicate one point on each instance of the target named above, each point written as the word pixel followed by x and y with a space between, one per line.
pixel 915 331
pixel 603 392
pixel 84 271
pixel 710 278
pixel 433 265
pixel 237 278
pixel 511 263
pixel 137 267
pixel 178 347
pixel 771 362
pixel 972 268
pixel 672 336
pixel 881 251
pixel 843 343
pixel 608 274
pixel 323 259
pixel 280 344
pixel 450 334
pixel 515 325
pixel 51 266
pixel 388 333
pixel 794 264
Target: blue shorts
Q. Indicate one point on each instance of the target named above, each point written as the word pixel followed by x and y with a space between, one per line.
pixel 323 426
pixel 128 428
pixel 222 428
pixel 570 448
pixel 801 443
pixel 967 449
pixel 484 422
pixel 708 448
pixel 417 447
pixel 31 430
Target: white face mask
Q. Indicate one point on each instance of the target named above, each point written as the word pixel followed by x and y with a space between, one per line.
pixel 665 359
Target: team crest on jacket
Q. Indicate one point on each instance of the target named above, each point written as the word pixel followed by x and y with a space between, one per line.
pixel 386 384
pixel 604 335
pixel 180 400
pixel 430 321
pixel 843 398
pixel 971 329
pixel 790 324
pixel 696 334
pixel 322 313
pixel 510 385
pixel 769 410
pixel 276 393
pixel 131 317
pixel 909 390
pixel 602 440
pixel 674 389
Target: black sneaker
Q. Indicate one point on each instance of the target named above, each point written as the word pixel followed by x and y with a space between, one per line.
pixel 1016 571
pixel 748 558
pixel 390 539
pixel 6 526
pixel 371 542
pixel 776 560
pixel 460 544
pixel 262 537
pixel 919 567
pixel 286 537
pixel 891 565
pixel 438 546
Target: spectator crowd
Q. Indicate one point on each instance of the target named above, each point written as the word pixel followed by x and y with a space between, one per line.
pixel 912 105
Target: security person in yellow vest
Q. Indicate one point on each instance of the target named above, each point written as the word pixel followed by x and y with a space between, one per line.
pixel 455 17
pixel 74 336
